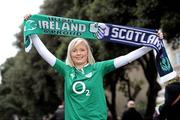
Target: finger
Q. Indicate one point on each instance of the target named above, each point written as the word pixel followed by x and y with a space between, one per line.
pixel 160 34
pixel 27 16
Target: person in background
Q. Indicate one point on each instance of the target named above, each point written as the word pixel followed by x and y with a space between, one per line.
pixel 170 110
pixel 59 113
pixel 131 113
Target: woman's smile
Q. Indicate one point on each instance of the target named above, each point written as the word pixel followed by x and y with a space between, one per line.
pixel 79 55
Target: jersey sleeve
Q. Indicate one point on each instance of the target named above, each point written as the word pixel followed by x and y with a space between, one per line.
pixel 60 67
pixel 106 66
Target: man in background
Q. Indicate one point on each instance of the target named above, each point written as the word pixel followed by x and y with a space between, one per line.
pixel 131 113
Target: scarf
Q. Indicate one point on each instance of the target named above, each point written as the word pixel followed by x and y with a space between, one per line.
pixel 134 36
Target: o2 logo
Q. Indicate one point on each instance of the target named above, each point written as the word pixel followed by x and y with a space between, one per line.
pixel 80 83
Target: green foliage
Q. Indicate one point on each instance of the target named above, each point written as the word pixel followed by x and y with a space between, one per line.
pixel 160 14
pixel 56 7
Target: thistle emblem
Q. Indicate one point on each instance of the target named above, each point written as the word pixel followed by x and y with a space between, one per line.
pixel 165 64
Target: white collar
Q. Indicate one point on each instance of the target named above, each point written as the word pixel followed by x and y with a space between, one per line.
pixel 82 70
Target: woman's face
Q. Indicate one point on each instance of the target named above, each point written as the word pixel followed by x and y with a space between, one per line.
pixel 79 55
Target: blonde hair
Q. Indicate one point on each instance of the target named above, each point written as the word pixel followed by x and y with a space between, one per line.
pixel 72 45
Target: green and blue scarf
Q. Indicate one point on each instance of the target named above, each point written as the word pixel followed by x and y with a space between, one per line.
pixel 134 36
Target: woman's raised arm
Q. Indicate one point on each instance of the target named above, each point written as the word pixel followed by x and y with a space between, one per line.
pixel 123 60
pixel 42 50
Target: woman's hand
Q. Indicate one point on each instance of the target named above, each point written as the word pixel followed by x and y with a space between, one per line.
pixel 160 34
pixel 26 17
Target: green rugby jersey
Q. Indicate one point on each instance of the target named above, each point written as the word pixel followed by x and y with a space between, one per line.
pixel 83 90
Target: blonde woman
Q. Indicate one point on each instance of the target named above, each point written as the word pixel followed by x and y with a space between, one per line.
pixel 83 87
pixel 84 92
